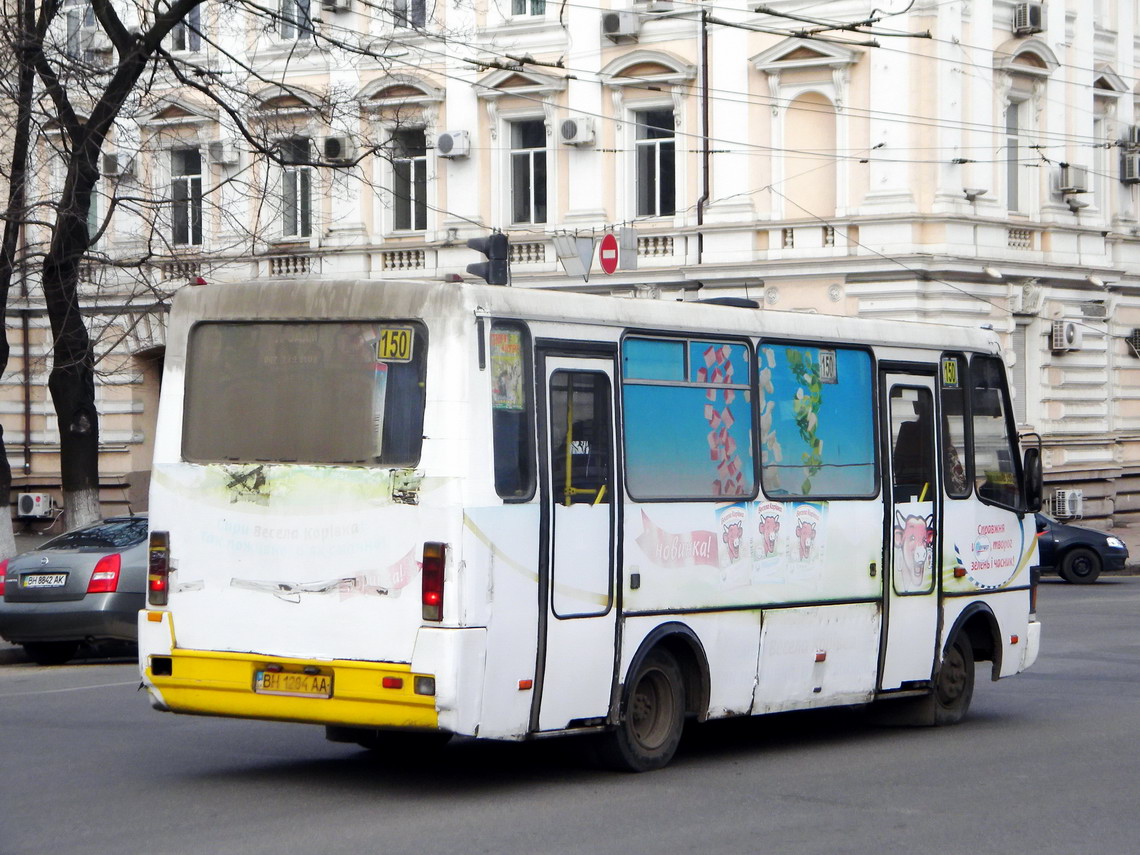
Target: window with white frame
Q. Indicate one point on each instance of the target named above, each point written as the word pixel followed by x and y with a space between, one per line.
pixel 296 188
pixel 186 196
pixel 409 179
pixel 410 13
pixel 528 171
pixel 1016 148
pixel 655 147
pixel 294 21
pixel 187 33
pixel 536 8
pixel 84 39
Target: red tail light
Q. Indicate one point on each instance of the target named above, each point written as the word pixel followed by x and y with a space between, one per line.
pixel 158 569
pixel 3 570
pixel 105 578
pixel 433 566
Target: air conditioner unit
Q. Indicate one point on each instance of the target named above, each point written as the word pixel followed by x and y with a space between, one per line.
pixel 453 144
pixel 34 505
pixel 1130 167
pixel 220 151
pixel 1067 335
pixel 116 165
pixel 1068 504
pixel 338 149
pixel 578 130
pixel 1131 138
pixel 1028 18
pixel 1072 179
pixel 336 5
pixel 620 26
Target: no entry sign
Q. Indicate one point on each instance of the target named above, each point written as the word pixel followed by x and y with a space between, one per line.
pixel 608 253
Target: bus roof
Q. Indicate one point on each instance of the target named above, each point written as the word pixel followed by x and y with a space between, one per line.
pixel 372 298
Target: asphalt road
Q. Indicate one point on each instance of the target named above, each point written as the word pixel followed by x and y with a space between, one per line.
pixel 1045 764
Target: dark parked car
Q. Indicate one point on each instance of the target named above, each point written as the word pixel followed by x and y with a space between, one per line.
pixel 86 586
pixel 1078 554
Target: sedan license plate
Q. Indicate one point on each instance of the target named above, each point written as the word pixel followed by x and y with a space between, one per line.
pixel 44 580
pixel 293 684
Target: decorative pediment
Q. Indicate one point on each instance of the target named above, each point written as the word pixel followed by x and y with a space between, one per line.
pixel 174 113
pixel 399 91
pixel 279 101
pixel 505 81
pixel 794 54
pixel 1028 57
pixel 641 67
pixel 1108 82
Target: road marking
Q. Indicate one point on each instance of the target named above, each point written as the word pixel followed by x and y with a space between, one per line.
pixel 68 689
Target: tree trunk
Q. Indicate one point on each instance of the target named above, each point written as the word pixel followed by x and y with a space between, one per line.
pixel 13 226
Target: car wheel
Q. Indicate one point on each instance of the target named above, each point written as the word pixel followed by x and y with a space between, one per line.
pixel 653 716
pixel 954 683
pixel 51 652
pixel 1081 566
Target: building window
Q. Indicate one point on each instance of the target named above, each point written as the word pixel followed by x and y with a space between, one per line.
pixel 296 188
pixel 294 20
pixel 656 175
pixel 410 13
pixel 409 180
pixel 1015 127
pixel 528 171
pixel 84 39
pixel 187 33
pixel 186 196
pixel 528 7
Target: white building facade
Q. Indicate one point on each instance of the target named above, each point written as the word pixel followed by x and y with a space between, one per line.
pixel 973 163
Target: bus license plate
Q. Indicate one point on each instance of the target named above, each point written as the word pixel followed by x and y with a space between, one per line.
pixel 45 580
pixel 295 685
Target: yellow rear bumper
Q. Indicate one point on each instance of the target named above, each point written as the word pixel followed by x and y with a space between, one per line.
pixel 213 683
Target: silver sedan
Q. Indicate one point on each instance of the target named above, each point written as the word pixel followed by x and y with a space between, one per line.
pixel 83 587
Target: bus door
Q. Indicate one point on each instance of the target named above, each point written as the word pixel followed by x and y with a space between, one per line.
pixel 911 551
pixel 578 616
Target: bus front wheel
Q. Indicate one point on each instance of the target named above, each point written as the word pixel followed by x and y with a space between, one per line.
pixel 652 717
pixel 954 684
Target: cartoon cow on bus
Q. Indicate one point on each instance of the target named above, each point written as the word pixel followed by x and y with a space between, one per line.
pixel 914 546
pixel 732 535
pixel 769 531
pixel 805 533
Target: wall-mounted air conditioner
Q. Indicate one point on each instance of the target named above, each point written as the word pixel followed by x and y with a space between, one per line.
pixel 1027 299
pixel 621 26
pixel 220 151
pixel 338 149
pixel 578 130
pixel 1131 137
pixel 1068 504
pixel 1072 179
pixel 1028 18
pixel 1130 167
pixel 336 5
pixel 34 505
pixel 453 144
pixel 116 165
pixel 1067 335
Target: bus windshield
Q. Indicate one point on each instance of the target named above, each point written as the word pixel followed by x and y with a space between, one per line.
pixel 292 392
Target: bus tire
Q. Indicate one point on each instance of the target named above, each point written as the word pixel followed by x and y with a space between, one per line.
pixel 1080 566
pixel 954 682
pixel 652 717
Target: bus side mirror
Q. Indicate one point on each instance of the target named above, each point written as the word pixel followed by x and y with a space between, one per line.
pixel 1034 487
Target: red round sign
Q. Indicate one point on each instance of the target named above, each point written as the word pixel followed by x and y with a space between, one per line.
pixel 608 253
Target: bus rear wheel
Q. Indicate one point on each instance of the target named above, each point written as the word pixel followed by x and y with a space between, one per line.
pixel 652 717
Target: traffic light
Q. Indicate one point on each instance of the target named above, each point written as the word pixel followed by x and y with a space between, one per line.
pixel 496 269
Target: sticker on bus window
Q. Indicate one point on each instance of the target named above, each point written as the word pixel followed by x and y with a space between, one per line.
pixel 507 391
pixel 950 372
pixel 394 345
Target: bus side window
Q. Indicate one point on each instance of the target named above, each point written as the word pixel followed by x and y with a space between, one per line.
pixel 955 455
pixel 913 458
pixel 580 437
pixel 995 461
pixel 512 412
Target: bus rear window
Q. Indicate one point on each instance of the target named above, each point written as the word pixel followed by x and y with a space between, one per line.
pixel 291 392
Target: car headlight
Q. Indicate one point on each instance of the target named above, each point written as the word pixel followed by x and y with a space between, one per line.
pixel 1114 542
